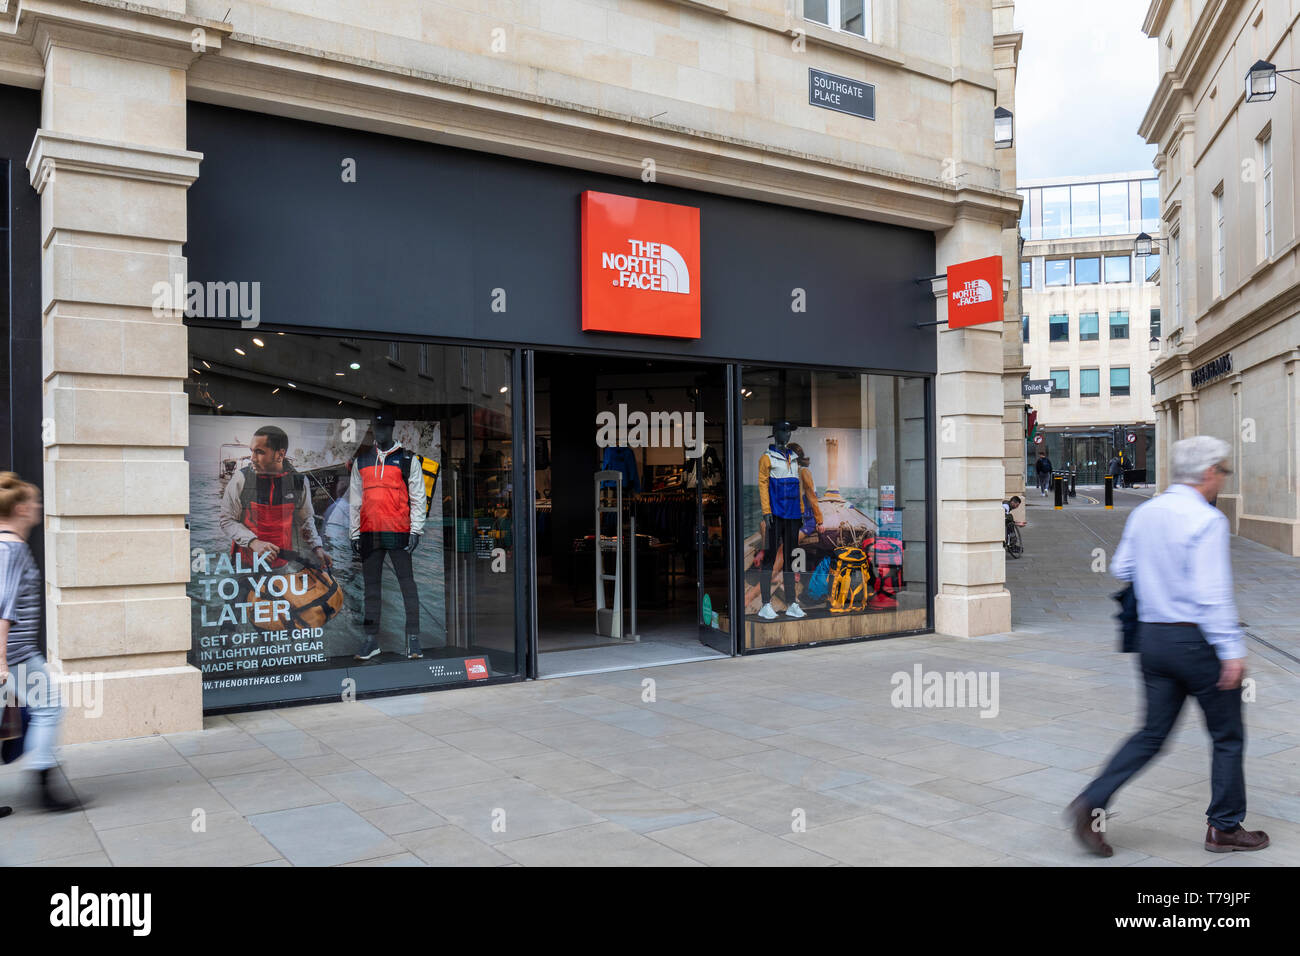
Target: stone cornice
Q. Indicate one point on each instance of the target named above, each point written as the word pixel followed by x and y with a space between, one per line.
pixel 1155 16
pixel 114 27
pixel 52 152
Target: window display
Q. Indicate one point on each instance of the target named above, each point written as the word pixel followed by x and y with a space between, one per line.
pixel 349 518
pixel 835 520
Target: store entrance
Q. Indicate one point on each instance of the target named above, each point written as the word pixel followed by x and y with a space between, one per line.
pixel 630 459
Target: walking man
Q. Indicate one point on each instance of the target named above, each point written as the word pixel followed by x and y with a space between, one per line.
pixel 1043 469
pixel 1175 551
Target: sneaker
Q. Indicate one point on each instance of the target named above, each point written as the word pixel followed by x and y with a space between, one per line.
pixel 369 648
pixel 794 610
pixel 766 613
pixel 413 648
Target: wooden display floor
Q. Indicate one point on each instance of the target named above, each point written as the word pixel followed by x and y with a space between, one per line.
pixel 822 625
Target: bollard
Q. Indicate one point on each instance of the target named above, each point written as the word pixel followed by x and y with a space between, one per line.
pixel 1110 492
pixel 1058 486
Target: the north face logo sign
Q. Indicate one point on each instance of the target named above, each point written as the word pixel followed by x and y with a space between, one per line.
pixel 640 266
pixel 649 265
pixel 977 290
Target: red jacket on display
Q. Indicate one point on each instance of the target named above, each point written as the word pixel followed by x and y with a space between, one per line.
pixel 386 492
pixel 265 507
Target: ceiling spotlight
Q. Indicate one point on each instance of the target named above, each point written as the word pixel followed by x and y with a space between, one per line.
pixel 205 363
pixel 239 351
pixel 275 390
pixel 355 365
pixel 504 389
pixel 259 343
pixel 291 385
pixel 340 373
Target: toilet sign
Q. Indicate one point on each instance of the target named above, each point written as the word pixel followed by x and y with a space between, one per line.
pixel 975 292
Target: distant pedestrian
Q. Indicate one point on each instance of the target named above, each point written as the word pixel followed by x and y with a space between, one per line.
pixel 1043 469
pixel 1175 552
pixel 21 592
pixel 1117 471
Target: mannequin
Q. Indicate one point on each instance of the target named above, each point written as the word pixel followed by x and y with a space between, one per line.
pixel 386 504
pixel 780 492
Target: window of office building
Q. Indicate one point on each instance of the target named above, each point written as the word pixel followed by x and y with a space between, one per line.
pixel 1118 269
pixel 1152 265
pixel 1150 205
pixel 1060 383
pixel 1024 328
pixel 1155 323
pixel 1085 212
pixel 1025 218
pixel 1114 209
pixel 345 514
pixel 1119 381
pixel 1026 274
pixel 1056 272
pixel 845 16
pixel 1058 328
pixel 1220 255
pixel 1089 383
pixel 1056 212
pixel 861 484
pixel 1088 327
pixel 1087 271
pixel 1119 325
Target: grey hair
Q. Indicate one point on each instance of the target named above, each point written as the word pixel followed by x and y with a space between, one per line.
pixel 1192 456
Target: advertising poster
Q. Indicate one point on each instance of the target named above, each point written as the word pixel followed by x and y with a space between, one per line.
pixel 282 603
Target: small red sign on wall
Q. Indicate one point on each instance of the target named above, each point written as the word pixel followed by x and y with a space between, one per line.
pixel 975 292
pixel 640 266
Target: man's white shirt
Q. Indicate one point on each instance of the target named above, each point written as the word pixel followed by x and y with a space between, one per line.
pixel 1175 551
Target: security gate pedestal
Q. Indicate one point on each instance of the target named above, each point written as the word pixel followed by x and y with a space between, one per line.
pixel 609 619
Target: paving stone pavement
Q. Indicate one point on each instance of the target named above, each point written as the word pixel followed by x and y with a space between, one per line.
pixel 796 758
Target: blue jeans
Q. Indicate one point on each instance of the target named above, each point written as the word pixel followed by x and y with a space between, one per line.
pixel 40 695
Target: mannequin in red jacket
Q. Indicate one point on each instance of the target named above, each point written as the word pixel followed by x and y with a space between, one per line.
pixel 386 504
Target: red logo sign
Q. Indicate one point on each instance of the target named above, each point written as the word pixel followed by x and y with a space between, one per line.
pixel 975 292
pixel 640 266
pixel 476 668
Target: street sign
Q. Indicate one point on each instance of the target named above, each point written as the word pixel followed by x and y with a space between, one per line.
pixel 1038 439
pixel 841 94
pixel 1130 438
pixel 1035 386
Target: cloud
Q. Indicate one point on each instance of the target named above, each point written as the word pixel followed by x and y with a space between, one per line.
pixel 1087 73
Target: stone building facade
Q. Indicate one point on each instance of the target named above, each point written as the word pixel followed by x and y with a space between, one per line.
pixel 712 95
pixel 1228 360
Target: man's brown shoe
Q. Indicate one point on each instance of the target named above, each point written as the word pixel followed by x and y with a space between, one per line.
pixel 1225 841
pixel 1081 820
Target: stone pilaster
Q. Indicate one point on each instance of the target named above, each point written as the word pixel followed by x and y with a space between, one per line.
pixel 972 598
pixel 112 170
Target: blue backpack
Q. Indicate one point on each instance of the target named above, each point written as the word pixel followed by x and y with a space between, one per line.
pixel 819 585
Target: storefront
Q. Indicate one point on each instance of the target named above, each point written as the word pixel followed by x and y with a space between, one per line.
pixel 408 363
pixel 1087 452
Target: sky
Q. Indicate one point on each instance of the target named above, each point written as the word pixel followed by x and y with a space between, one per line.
pixel 1084 82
